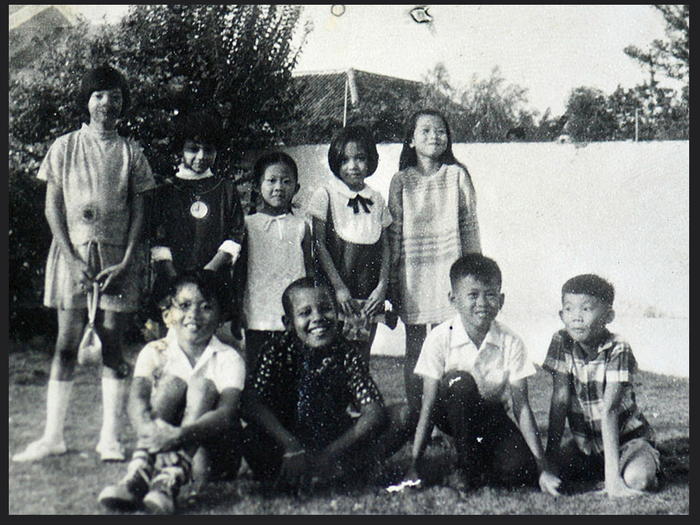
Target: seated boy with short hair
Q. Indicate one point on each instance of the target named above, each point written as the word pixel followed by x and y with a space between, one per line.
pixel 299 431
pixel 592 373
pixel 184 401
pixel 470 365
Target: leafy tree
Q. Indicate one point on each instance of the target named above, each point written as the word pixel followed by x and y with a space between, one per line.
pixel 588 116
pixel 667 116
pixel 483 111
pixel 671 57
pixel 235 59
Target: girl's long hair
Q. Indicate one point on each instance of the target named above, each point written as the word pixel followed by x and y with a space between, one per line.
pixel 408 157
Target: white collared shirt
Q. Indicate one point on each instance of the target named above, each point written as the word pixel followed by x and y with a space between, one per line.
pixel 501 359
pixel 220 363
pixel 358 228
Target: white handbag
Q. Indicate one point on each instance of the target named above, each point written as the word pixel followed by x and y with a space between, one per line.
pixel 90 349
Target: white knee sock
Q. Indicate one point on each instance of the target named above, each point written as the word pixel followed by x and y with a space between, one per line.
pixel 113 398
pixel 57 398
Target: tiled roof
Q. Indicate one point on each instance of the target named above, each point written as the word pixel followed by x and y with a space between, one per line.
pixel 322 94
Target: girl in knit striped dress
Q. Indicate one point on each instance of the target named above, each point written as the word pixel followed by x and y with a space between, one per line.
pixel 433 208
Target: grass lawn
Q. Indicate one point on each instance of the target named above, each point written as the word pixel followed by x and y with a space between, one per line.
pixel 70 484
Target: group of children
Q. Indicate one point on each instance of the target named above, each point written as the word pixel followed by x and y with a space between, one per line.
pixel 292 392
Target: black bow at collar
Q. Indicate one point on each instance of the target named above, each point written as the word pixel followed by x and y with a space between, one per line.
pixel 358 201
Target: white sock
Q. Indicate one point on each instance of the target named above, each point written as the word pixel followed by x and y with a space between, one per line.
pixel 113 398
pixel 57 398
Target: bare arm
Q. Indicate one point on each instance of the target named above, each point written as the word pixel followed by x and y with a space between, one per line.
pixel 375 301
pixel 549 482
pixel 370 418
pixel 561 397
pixel 139 409
pixel 614 483
pixel 395 205
pixel 306 244
pixel 56 217
pixel 343 296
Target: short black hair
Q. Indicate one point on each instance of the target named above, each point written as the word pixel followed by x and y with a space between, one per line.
pixel 358 134
pixel 273 157
pixel 305 283
pixel 202 126
pixel 477 265
pixel 101 78
pixel 211 284
pixel 590 284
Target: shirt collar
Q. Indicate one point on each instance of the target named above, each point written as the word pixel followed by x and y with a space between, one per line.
pixel 214 346
pixel 460 336
pixel 183 172
pixel 607 341
pixel 339 187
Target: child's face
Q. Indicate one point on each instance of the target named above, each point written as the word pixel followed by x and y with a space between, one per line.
pixel 278 186
pixel 314 317
pixel 105 106
pixel 477 302
pixel 193 318
pixel 430 136
pixel 197 156
pixel 353 166
pixel 585 317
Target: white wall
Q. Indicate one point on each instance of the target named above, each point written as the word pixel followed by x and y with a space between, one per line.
pixel 550 211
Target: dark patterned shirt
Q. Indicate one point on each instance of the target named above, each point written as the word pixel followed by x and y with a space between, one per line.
pixel 613 363
pixel 309 390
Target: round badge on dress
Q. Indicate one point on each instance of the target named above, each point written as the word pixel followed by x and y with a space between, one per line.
pixel 199 209
pixel 89 213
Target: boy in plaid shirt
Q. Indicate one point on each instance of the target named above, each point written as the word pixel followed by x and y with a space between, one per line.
pixel 592 372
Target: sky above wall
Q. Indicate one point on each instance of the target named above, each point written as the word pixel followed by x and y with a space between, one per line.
pixel 547 49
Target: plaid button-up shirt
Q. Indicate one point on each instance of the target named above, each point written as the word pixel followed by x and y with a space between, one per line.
pixel 613 362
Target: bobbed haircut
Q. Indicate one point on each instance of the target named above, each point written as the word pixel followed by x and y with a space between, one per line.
pixel 409 157
pixel 102 78
pixel 211 285
pixel 201 126
pixel 273 157
pixel 590 284
pixel 348 134
pixel 305 283
pixel 482 268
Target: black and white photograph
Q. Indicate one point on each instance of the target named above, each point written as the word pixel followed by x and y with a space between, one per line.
pixel 349 259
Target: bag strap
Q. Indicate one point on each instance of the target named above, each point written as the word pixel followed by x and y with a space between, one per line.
pixel 93 298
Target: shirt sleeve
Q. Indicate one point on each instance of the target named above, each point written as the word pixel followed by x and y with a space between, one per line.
pixel 51 169
pixel 141 175
pixel 621 366
pixel 268 373
pixel 360 382
pixel 147 362
pixel 318 204
pixel 230 371
pixel 385 216
pixel 520 365
pixel 431 361
pixel 395 206
pixel 556 360
pixel 468 222
pixel 236 221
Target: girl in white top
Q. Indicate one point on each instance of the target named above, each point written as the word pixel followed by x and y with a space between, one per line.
pixel 350 221
pixel 94 207
pixel 278 251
